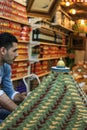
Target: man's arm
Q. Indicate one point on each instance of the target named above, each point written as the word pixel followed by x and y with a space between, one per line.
pixel 7 85
pixel 7 103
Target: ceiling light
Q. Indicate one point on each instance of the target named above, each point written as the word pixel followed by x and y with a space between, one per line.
pixel 72 11
pixel 67 3
pixel 82 21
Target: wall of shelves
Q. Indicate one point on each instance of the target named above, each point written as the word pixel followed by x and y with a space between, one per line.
pixel 62 21
pixel 47 40
pixel 46 51
pixel 13 19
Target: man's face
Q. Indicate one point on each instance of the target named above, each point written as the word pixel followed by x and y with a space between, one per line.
pixel 10 54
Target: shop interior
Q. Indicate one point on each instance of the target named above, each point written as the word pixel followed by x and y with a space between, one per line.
pixel 51 67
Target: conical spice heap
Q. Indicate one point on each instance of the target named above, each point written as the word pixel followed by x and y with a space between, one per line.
pixel 58 103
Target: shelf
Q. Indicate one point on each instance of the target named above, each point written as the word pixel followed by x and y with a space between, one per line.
pixel 22 41
pixel 22 2
pixel 53 44
pixel 36 43
pixel 21 60
pixel 25 23
pixel 33 60
pixel 18 78
pixel 43 21
pixel 50 58
pixel 40 39
pixel 54 30
pixel 50 44
pixel 63 21
pixel 42 59
pixel 41 75
pixel 10 22
pixel 62 27
pixel 60 9
pixel 33 44
pixel 51 28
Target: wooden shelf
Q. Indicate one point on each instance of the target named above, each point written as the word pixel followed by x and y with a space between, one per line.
pixel 16 21
pixel 21 60
pixel 47 30
pixel 36 43
pixel 53 44
pixel 13 79
pixel 50 58
pixel 41 75
pixel 18 78
pixel 21 22
pixel 22 41
pixel 33 60
pixel 60 9
pixel 55 27
pixel 51 28
pixel 61 27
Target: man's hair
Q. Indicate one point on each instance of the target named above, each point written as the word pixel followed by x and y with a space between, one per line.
pixel 7 39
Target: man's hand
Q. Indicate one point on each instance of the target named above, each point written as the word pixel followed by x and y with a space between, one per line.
pixel 19 97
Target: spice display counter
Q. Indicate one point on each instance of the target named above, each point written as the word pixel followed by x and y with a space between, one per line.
pixel 58 103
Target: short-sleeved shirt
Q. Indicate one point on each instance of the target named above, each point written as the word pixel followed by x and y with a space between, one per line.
pixel 6 85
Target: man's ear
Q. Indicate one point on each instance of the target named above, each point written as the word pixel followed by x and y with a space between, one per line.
pixel 3 50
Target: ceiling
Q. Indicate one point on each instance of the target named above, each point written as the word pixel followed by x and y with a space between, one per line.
pixel 81 9
pixel 35 9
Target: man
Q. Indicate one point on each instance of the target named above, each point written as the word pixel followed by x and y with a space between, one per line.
pixel 8 96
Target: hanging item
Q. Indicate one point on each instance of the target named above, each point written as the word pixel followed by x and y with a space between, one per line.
pixel 45 8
